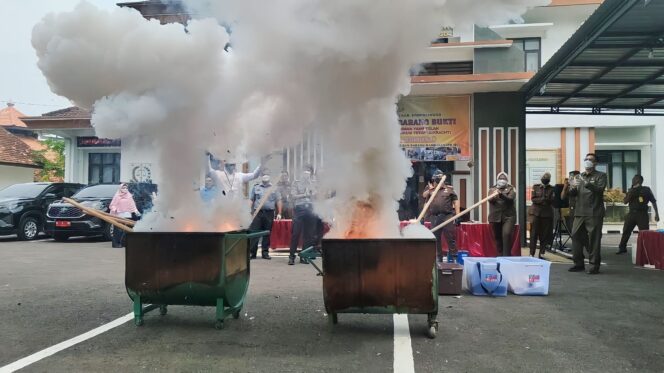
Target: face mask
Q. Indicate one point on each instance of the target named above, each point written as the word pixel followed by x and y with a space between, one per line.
pixel 501 183
pixel 306 175
pixel 546 181
pixel 588 164
pixel 265 179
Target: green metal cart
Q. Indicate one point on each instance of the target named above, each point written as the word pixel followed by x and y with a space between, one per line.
pixel 189 269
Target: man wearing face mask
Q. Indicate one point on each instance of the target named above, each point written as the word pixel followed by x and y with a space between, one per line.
pixel 502 214
pixel 303 193
pixel 227 179
pixel 264 216
pixel 284 189
pixel 588 188
pixel 541 215
pixel 444 206
pixel 637 198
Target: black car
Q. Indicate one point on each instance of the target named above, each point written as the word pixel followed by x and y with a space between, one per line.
pixel 64 220
pixel 22 206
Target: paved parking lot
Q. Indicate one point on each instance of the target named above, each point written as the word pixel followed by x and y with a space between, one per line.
pixel 51 292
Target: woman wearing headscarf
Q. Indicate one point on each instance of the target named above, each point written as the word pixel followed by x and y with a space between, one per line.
pixel 122 205
pixel 502 214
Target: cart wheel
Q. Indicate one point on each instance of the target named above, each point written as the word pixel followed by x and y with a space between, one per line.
pixel 219 324
pixel 431 333
pixel 236 314
pixel 138 321
pixel 163 310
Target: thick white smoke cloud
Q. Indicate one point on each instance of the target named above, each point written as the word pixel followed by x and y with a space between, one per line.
pixel 336 66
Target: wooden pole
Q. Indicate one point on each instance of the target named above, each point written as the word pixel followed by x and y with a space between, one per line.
pixel 464 212
pixel 263 200
pixel 124 221
pixel 98 214
pixel 431 197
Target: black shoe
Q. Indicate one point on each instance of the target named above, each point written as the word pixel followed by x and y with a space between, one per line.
pixel 253 256
pixel 291 261
pixel 621 251
pixel 266 256
pixel 577 269
pixel 594 271
pixel 304 261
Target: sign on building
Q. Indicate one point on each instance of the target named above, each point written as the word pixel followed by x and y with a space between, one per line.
pixel 435 128
pixel 95 142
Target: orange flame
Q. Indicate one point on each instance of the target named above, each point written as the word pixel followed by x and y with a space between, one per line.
pixel 363 220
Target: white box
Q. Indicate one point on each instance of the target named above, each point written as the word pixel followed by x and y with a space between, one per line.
pixel 526 275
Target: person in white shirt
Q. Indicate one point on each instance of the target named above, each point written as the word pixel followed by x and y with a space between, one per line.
pixel 227 179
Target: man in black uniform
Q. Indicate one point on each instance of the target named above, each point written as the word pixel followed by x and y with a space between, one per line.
pixel 572 205
pixel 444 206
pixel 588 215
pixel 265 216
pixel 638 197
pixel 541 215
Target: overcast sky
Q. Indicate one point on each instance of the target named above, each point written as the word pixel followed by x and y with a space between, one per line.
pixel 20 79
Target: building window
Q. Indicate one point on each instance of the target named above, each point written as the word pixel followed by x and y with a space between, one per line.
pixel 104 168
pixel 620 166
pixel 532 53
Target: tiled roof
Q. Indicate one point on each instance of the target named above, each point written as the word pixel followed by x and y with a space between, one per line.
pixel 70 112
pixel 14 151
pixel 9 116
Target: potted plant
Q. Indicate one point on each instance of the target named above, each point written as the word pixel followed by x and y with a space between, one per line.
pixel 615 208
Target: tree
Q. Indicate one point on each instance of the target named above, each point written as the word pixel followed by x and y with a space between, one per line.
pixel 52 159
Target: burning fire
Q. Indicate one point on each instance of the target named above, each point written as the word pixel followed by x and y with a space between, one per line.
pixel 363 220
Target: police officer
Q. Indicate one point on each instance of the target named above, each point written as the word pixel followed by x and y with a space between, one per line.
pixel 541 215
pixel 638 197
pixel 265 216
pixel 444 206
pixel 303 192
pixel 589 211
pixel 502 214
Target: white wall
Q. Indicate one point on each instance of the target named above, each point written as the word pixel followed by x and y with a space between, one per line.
pixel 543 138
pixel 13 175
pixel 566 20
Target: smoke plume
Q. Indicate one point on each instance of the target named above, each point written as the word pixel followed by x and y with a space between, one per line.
pixel 336 67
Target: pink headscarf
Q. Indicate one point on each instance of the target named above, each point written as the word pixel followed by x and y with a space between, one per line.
pixel 122 201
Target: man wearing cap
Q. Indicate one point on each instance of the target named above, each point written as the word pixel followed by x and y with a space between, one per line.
pixel 228 180
pixel 541 215
pixel 303 193
pixel 264 217
pixel 589 213
pixel 445 205
pixel 637 198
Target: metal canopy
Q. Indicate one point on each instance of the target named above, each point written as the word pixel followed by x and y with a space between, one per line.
pixel 614 61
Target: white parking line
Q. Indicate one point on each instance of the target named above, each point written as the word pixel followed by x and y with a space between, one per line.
pixel 403 351
pixel 28 360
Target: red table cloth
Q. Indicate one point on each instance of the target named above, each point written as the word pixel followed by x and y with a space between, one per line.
pixel 650 249
pixel 280 235
pixel 478 240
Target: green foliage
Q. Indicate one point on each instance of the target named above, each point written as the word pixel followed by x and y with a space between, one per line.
pixel 52 158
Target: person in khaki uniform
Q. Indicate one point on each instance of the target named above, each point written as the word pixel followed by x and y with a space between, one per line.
pixel 444 206
pixel 541 216
pixel 589 214
pixel 502 214
pixel 637 198
pixel 572 205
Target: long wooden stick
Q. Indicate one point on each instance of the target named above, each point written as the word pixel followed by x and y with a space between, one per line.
pixel 431 197
pixel 263 200
pixel 99 215
pixel 124 221
pixel 464 212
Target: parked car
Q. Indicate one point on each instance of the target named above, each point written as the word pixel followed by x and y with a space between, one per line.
pixel 64 220
pixel 23 206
